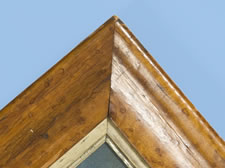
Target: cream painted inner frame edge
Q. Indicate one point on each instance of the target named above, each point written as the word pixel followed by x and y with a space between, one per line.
pixel 107 132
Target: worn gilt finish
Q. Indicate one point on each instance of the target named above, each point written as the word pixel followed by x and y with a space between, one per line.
pixel 108 72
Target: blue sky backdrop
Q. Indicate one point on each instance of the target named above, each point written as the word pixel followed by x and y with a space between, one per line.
pixel 187 38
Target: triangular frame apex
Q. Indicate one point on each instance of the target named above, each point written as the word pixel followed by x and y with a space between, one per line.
pixel 108 75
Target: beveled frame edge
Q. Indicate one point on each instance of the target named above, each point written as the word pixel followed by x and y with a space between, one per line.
pixel 117 140
pixel 169 88
pixel 37 89
pixel 104 132
pixel 85 147
pixel 172 105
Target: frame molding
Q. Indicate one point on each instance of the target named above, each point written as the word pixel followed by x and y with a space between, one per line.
pixel 85 147
pixel 105 132
pixel 108 75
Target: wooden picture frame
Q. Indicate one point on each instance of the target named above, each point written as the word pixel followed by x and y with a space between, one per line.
pixel 108 78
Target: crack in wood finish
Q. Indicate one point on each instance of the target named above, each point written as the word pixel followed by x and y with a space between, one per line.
pixel 72 98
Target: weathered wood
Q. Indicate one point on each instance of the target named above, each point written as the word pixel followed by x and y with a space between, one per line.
pixel 115 138
pixel 105 132
pixel 61 107
pixel 74 96
pixel 155 116
pixel 84 148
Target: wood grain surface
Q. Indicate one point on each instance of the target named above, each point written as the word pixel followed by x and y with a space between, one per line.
pixel 154 115
pixel 108 72
pixel 61 107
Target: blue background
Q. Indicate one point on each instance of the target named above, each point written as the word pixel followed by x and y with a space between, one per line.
pixel 187 38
